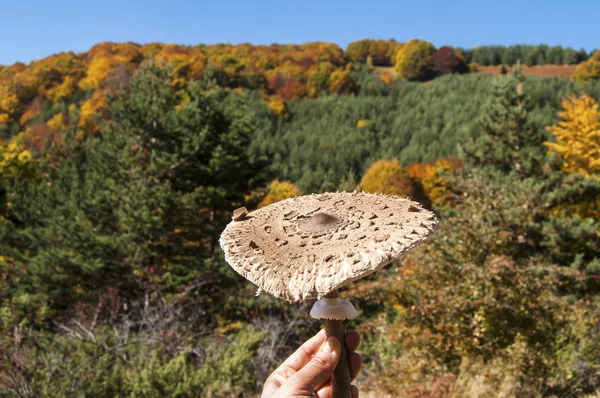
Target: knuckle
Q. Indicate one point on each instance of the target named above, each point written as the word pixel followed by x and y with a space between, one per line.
pixel 321 362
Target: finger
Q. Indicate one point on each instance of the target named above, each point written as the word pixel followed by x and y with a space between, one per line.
pixel 325 391
pixel 352 340
pixel 354 360
pixel 355 363
pixel 295 362
pixel 306 351
pixel 319 369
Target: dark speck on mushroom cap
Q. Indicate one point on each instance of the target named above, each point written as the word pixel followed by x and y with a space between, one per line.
pixel 308 246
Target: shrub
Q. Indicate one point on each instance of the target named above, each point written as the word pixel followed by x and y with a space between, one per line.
pixel 387 177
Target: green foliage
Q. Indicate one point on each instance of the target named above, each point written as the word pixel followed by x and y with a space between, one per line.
pixel 480 298
pixel 511 143
pixel 112 284
pixel 144 203
pixel 409 121
pixel 484 295
pixel 528 54
pixel 507 141
pixel 103 363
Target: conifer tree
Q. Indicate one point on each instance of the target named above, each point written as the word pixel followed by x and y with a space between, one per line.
pixel 505 138
pixel 509 155
pixel 142 203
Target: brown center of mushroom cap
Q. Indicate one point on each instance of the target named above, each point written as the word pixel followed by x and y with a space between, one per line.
pixel 320 222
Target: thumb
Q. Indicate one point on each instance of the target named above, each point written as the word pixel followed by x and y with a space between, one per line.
pixel 319 369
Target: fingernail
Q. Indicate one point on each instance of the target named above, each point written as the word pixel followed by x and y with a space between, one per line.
pixel 328 345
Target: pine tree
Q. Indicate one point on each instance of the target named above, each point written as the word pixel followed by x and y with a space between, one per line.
pixel 143 203
pixel 505 138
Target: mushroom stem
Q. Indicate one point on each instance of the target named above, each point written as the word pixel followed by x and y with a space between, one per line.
pixel 340 380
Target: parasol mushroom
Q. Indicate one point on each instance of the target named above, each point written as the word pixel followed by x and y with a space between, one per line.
pixel 309 246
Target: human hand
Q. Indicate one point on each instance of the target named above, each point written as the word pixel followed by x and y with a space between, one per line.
pixel 307 372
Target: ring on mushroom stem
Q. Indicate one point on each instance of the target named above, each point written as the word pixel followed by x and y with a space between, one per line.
pixel 333 308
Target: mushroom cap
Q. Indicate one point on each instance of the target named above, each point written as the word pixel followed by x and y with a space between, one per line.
pixel 308 246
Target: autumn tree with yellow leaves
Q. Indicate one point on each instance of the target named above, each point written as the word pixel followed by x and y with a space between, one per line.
pixel 589 69
pixel 387 177
pixel 279 190
pixel 278 106
pixel 15 161
pixel 428 177
pixel 414 60
pixel 578 135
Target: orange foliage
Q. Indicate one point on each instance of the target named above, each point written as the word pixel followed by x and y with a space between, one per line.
pixel 289 71
pixel 387 78
pixel 427 175
pixel 387 177
pixel 285 71
pixel 286 87
pixel 89 110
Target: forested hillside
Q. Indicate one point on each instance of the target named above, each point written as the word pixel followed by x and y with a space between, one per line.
pixel 327 143
pixel 120 167
pixel 39 97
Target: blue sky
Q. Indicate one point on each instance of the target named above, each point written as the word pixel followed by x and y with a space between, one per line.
pixel 34 29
